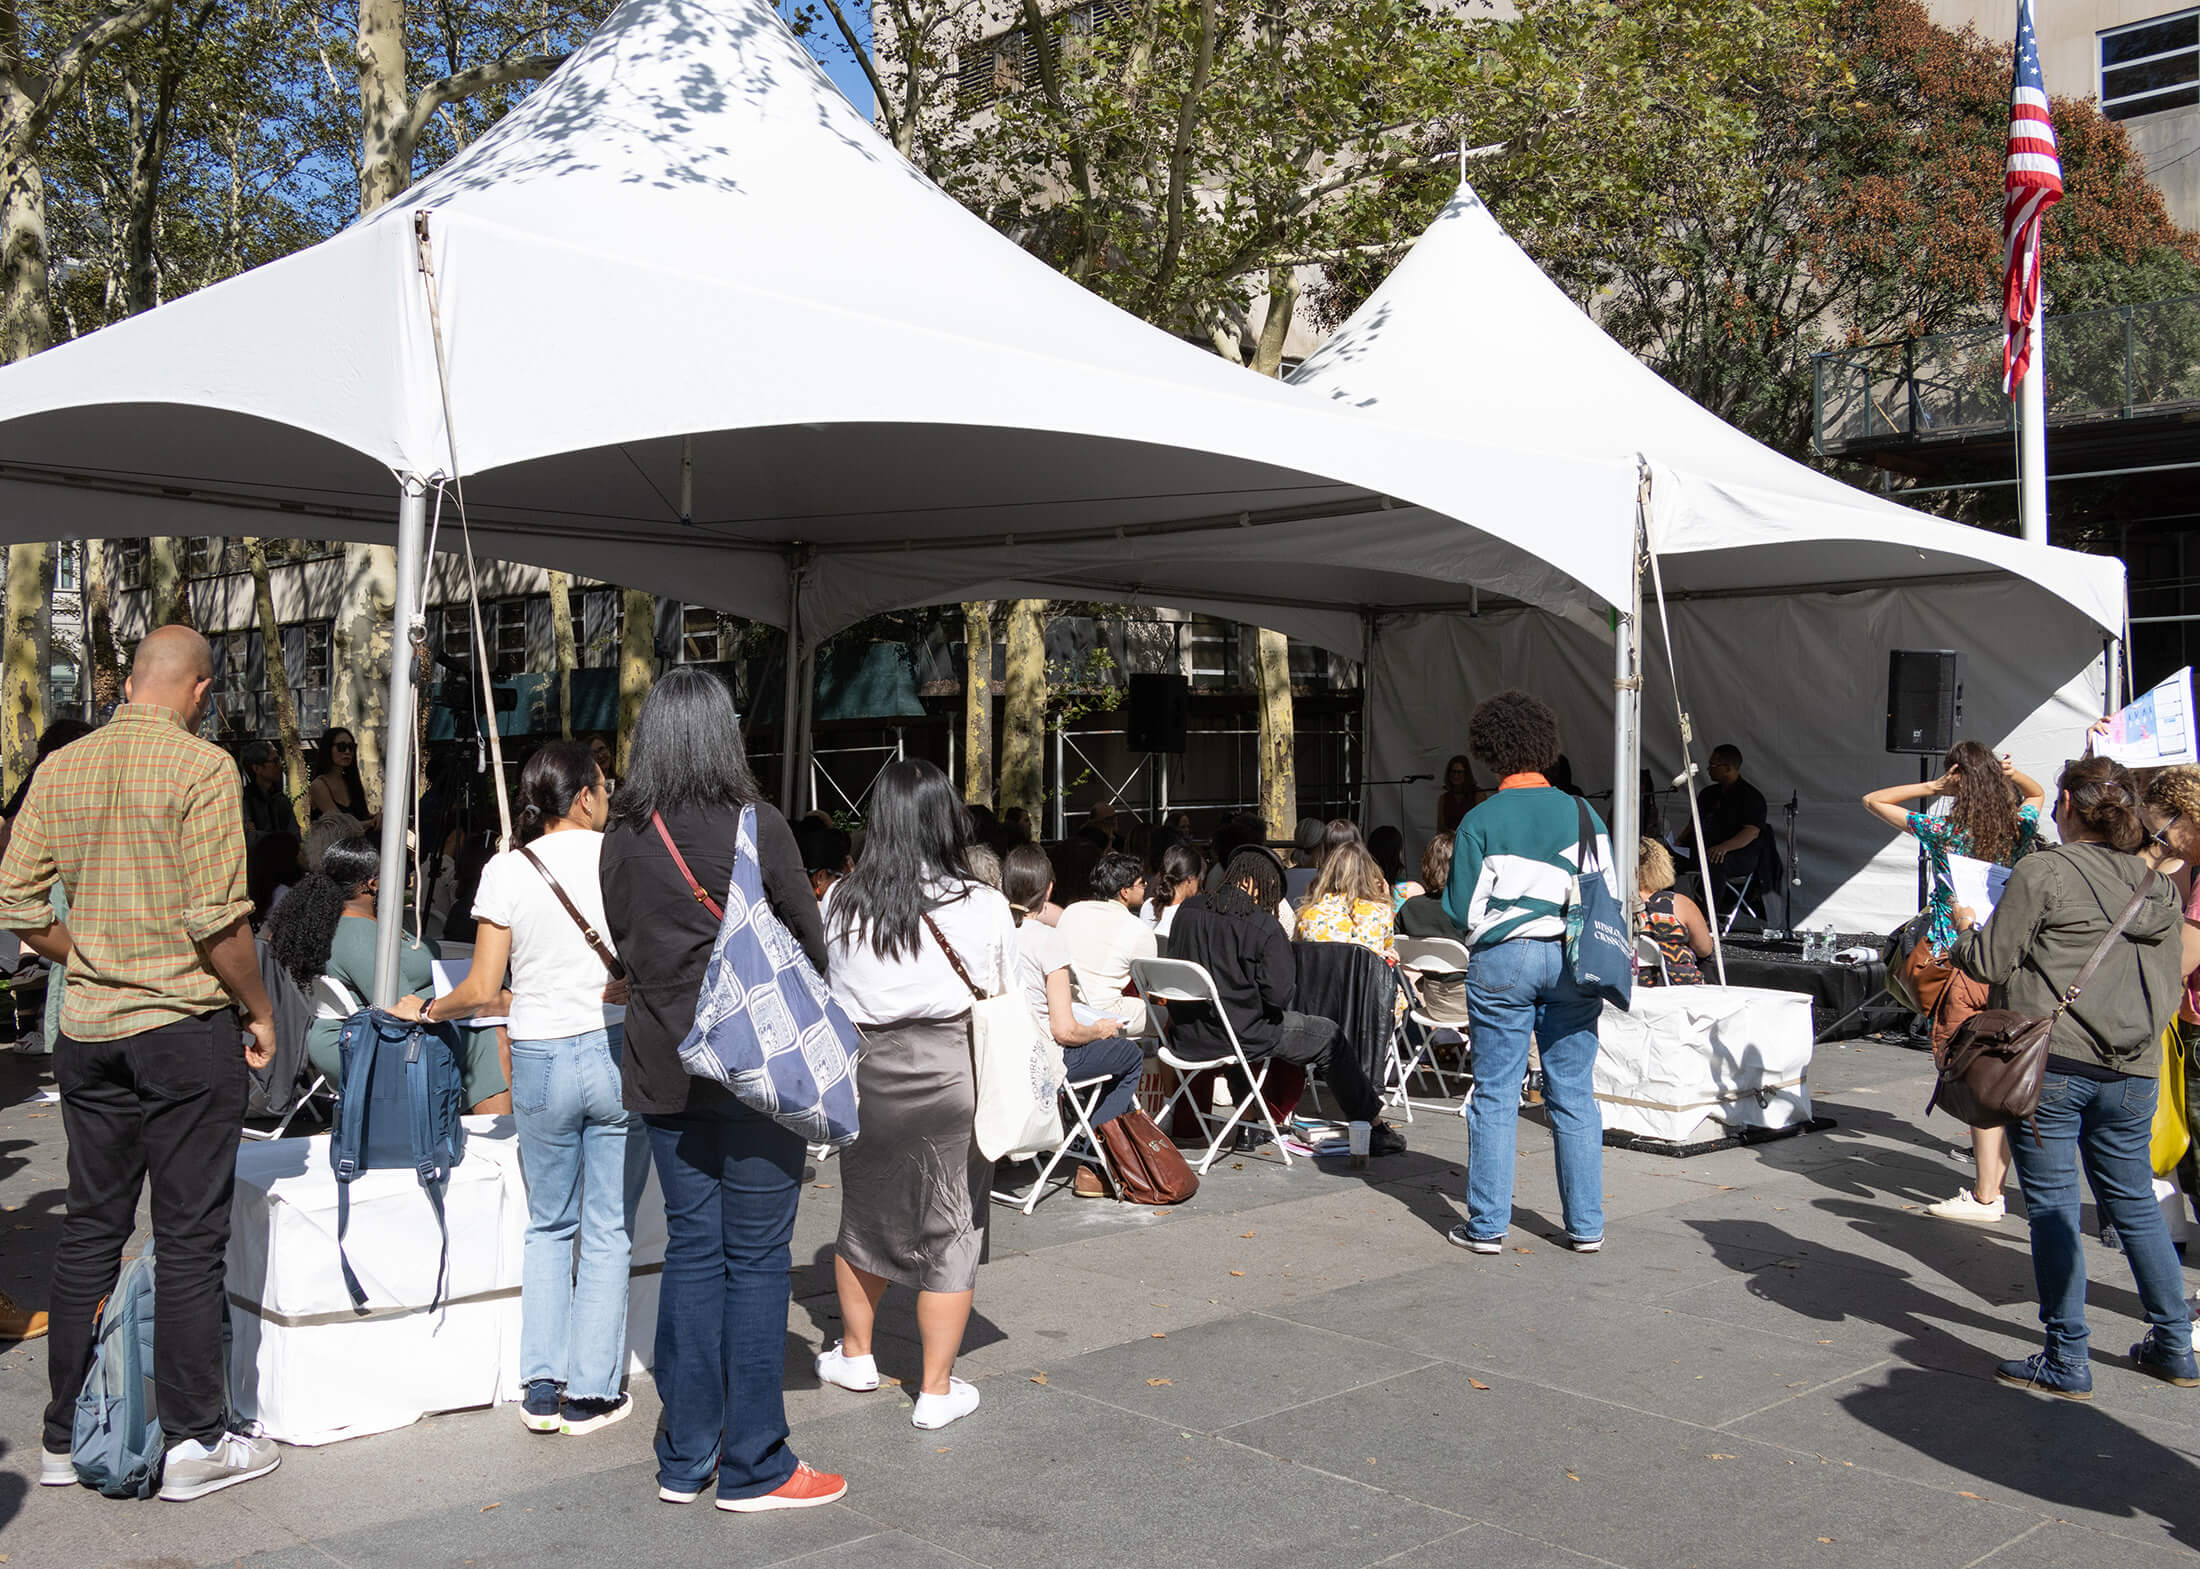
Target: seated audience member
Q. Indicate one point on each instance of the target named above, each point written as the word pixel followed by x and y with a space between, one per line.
pixel 984 864
pixel 1101 825
pixel 331 828
pixel 1672 919
pixel 1182 867
pixel 1459 797
pixel 1736 836
pixel 267 808
pixel 274 863
pixel 1091 1040
pixel 326 927
pixel 1562 776
pixel 1350 902
pixel 1424 914
pixel 1388 846
pixel 1306 859
pixel 825 853
pixel 1231 934
pixel 1103 935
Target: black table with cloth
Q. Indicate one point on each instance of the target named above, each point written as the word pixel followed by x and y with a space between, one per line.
pixel 1838 992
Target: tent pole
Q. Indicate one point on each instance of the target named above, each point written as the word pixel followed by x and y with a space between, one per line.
pixel 805 780
pixel 1359 794
pixel 1688 770
pixel 1627 718
pixel 397 746
pixel 790 718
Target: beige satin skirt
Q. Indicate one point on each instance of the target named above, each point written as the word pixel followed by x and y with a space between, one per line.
pixel 914 1189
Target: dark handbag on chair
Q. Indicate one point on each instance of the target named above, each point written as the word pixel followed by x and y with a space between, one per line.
pixel 1149 1169
pixel 1915 978
pixel 1993 1066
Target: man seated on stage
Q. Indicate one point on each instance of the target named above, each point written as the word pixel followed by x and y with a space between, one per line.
pixel 1736 835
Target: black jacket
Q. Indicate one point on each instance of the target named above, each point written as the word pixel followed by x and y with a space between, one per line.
pixel 1424 915
pixel 664 936
pixel 1250 959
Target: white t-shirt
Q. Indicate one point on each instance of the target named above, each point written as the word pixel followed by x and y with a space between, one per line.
pixel 1103 937
pixel 877 990
pixel 557 980
pixel 1041 952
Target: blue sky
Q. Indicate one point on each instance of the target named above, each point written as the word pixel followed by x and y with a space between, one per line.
pixel 846 74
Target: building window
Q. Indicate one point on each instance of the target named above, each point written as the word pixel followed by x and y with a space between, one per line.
pixel 244 705
pixel 703 638
pixel 62 681
pixel 597 637
pixel 503 628
pixel 2150 66
pixel 1007 63
pixel 1212 653
pixel 129 562
pixel 65 580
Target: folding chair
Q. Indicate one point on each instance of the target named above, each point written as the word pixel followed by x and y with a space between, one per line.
pixel 1419 957
pixel 1735 895
pixel 1176 981
pixel 1649 956
pixel 1083 1096
pixel 319 1086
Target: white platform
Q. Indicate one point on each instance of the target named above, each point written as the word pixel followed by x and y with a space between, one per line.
pixel 1682 1056
pixel 309 1370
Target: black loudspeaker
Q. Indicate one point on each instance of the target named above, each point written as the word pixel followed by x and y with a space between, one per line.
pixel 1160 713
pixel 1924 699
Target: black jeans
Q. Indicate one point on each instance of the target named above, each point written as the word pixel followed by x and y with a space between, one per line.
pixel 169 1102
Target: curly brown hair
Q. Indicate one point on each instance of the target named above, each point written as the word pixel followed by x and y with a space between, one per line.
pixel 1986 803
pixel 1514 732
pixel 2175 791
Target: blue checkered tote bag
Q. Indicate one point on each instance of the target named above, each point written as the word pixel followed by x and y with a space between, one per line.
pixel 765 1025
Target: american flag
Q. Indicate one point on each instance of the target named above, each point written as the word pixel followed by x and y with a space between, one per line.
pixel 2032 185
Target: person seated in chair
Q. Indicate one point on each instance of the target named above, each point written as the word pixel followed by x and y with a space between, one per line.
pixel 1232 933
pixel 1443 997
pixel 1103 934
pixel 1672 920
pixel 1736 837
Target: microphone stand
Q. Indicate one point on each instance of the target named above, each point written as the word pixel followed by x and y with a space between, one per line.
pixel 1795 868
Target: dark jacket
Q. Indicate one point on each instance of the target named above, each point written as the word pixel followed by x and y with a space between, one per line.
pixel 1250 959
pixel 1424 915
pixel 664 936
pixel 2058 905
pixel 266 812
pixel 1354 986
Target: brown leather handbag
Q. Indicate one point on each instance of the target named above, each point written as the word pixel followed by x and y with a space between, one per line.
pixel 1149 1169
pixel 1992 1067
pixel 1915 977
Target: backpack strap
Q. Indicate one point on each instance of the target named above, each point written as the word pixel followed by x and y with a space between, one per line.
pixel 717 911
pixel 610 960
pixel 344 1155
pixel 428 1163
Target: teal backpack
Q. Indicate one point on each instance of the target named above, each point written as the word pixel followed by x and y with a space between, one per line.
pixel 118 1445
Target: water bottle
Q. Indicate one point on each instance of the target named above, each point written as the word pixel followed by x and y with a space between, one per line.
pixel 1828 945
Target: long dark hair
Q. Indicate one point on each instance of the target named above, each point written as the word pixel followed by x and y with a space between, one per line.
pixel 1180 863
pixel 1258 866
pixel 1388 846
pixel 2105 799
pixel 324 762
pixel 1026 875
pixel 1984 807
pixel 917 839
pixel 687 751
pixel 303 926
pixel 548 784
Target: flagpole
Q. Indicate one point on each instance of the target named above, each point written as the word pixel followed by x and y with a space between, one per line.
pixel 2032 431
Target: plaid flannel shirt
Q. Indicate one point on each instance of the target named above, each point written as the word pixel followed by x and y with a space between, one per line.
pixel 140 822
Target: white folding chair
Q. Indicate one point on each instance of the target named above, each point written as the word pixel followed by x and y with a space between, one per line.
pixel 1083 1096
pixel 1176 981
pixel 1649 956
pixel 1429 956
pixel 319 1086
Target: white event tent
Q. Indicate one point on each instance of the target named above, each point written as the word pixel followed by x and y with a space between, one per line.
pixel 1784 588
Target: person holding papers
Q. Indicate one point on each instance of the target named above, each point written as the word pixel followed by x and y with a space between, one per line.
pixel 1993 816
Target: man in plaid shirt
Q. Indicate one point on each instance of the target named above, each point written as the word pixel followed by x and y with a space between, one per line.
pixel 140 823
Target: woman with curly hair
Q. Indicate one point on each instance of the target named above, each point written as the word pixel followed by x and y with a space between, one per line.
pixel 1512 870
pixel 2172 810
pixel 1993 815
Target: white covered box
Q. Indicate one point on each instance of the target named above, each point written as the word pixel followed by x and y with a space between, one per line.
pixel 1681 1056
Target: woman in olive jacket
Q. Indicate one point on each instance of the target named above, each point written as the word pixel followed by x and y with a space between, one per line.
pixel 2097 1102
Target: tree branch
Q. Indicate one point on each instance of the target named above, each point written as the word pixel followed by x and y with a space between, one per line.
pixel 863 58
pixel 464 85
pixel 70 64
pixel 1180 157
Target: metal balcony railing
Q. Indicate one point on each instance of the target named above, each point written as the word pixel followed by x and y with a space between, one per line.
pixel 2123 362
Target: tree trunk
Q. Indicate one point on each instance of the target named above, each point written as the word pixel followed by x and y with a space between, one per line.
pixel 170 589
pixel 385 164
pixel 561 637
pixel 358 698
pixel 1283 304
pixel 278 678
pixel 1279 782
pixel 29 654
pixel 26 307
pixel 637 665
pixel 105 672
pixel 1024 714
pixel 978 702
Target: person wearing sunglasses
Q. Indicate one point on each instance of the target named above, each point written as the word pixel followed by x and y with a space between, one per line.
pixel 336 785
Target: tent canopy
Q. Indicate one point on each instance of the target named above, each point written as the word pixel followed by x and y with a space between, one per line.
pixel 685 265
pixel 1468 335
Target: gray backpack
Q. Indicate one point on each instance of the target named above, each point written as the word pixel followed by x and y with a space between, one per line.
pixel 118 1446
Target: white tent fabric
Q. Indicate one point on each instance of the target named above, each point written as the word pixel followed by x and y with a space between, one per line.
pixel 688 233
pixel 1468 336
pixel 1798 682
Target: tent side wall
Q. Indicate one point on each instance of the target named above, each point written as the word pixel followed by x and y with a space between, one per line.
pixel 1798 682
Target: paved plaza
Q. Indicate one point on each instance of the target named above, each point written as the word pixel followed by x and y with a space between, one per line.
pixel 1777 1360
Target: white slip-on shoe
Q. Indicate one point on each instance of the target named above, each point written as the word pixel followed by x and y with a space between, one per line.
pixel 56 1470
pixel 857 1373
pixel 1965 1206
pixel 936 1411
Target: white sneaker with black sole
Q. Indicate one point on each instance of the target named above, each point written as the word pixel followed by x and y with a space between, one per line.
pixel 1460 1237
pixel 193 1470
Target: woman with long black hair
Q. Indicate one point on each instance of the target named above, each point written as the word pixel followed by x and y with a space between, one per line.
pixel 915 938
pixel 336 785
pixel 1993 815
pixel 730 1175
pixel 324 930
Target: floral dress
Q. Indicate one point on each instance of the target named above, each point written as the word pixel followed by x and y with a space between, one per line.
pixel 1941 839
pixel 1371 923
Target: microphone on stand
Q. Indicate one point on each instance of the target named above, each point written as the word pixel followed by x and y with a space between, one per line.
pixel 1680 779
pixel 1415 778
pixel 1795 862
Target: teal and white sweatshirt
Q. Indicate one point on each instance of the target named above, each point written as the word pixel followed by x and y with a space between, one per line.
pixel 1513 864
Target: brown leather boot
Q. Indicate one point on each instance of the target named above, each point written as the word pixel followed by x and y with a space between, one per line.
pixel 1086 1184
pixel 19 1323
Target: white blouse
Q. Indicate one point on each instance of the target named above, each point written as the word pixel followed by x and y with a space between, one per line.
pixel 876 990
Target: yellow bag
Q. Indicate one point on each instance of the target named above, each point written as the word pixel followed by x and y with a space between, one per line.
pixel 2172 1133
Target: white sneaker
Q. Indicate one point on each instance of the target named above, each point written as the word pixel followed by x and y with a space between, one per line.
pixel 193 1470
pixel 934 1411
pixel 1964 1206
pixel 56 1470
pixel 857 1373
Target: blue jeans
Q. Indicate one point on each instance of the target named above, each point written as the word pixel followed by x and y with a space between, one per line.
pixel 586 1161
pixel 2107 1125
pixel 1514 990
pixel 731 1177
pixel 1114 1058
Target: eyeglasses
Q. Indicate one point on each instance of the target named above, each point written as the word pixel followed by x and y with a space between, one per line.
pixel 2161 835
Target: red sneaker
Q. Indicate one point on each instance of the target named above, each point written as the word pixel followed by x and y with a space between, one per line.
pixel 805 1489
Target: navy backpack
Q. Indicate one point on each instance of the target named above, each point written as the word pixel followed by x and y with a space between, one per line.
pixel 398 1108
